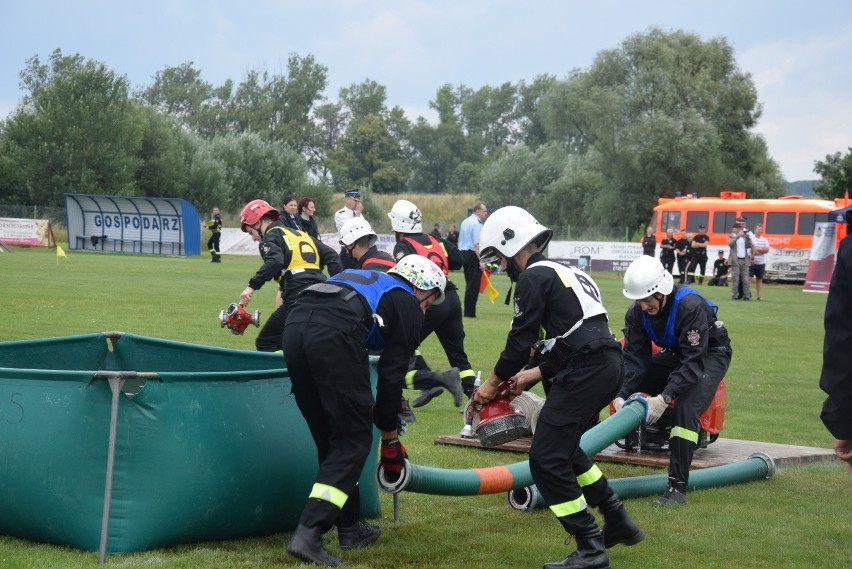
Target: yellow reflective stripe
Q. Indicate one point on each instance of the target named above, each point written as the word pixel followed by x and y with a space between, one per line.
pixel 590 476
pixel 568 508
pixel 409 379
pixel 466 373
pixel 329 494
pixel 685 433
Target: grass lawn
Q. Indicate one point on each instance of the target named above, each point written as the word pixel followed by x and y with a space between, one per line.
pixel 801 518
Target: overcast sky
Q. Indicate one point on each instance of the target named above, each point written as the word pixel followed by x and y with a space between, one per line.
pixel 798 52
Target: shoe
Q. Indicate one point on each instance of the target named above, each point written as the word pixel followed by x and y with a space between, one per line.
pixel 619 527
pixel 306 544
pixel 590 554
pixel 426 396
pixel 360 535
pixel 450 379
pixel 747 298
pixel 758 298
pixel 671 497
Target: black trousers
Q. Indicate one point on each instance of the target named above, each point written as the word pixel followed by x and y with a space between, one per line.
pixel 688 407
pixel 668 263
pixel 445 320
pixel 472 276
pixel 269 337
pixel 213 244
pixel 335 398
pixel 575 398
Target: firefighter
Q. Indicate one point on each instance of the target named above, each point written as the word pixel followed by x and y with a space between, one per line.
pixel 359 240
pixel 698 246
pixel 680 380
pixel 293 258
pixel 584 361
pixel 445 320
pixel 215 226
pixel 347 315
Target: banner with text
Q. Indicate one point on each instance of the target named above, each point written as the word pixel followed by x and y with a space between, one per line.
pixel 25 232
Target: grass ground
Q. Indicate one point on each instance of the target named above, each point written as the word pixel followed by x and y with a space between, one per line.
pixel 799 519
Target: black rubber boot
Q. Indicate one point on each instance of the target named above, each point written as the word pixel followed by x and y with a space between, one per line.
pixel 358 536
pixel 590 554
pixel 675 494
pixel 619 527
pixel 434 384
pixel 306 544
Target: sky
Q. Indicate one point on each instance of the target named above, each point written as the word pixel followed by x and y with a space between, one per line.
pixel 797 52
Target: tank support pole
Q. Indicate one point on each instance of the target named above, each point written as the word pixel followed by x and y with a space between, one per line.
pixel 115 385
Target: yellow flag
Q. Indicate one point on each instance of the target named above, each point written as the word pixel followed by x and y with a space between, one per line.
pixel 60 252
pixel 489 288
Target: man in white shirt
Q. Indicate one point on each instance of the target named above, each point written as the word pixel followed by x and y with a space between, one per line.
pixel 759 249
pixel 468 244
pixel 352 207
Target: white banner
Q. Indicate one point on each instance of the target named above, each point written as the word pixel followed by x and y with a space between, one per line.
pixel 25 232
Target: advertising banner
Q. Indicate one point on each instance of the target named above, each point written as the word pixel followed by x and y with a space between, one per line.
pixel 821 262
pixel 25 232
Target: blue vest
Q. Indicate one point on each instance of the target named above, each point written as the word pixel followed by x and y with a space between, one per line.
pixel 371 285
pixel 669 340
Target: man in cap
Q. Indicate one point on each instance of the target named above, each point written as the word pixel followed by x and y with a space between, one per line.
pixel 352 207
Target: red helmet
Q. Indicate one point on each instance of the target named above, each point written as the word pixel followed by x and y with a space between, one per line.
pixel 253 211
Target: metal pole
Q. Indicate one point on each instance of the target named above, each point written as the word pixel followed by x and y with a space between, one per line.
pixel 115 385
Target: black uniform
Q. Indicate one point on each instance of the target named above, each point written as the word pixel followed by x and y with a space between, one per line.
pixel 375 260
pixel 720 273
pixel 585 379
pixel 294 273
pixel 667 254
pixel 836 376
pixel 696 358
pixel 649 245
pixel 215 225
pixel 698 258
pixel 444 319
pixel 683 253
pixel 309 224
pixel 291 221
pixel 334 393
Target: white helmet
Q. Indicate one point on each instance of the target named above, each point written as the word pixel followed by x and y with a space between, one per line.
pixel 510 229
pixel 355 228
pixel 646 276
pixel 406 217
pixel 422 273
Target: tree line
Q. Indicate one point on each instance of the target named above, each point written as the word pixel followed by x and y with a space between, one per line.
pixel 662 112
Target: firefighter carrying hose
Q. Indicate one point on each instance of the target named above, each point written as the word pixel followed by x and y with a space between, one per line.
pixel 585 362
pixel 326 338
pixel 695 358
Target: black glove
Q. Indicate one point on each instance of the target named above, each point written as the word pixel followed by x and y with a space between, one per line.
pixel 393 456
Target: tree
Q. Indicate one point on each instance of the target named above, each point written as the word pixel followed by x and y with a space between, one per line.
pixel 836 175
pixel 75 131
pixel 663 112
pixel 364 99
pixel 178 91
pixel 369 156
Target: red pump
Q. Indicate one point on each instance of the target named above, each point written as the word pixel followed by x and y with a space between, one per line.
pixel 499 421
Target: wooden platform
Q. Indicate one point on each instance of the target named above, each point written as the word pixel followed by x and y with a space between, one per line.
pixel 723 451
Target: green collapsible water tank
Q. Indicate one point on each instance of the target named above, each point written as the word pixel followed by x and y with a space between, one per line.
pixel 208 443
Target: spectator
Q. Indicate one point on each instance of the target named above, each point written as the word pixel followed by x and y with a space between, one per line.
pixel 759 249
pixel 289 213
pixel 667 251
pixel 352 207
pixel 698 247
pixel 649 243
pixel 738 259
pixel 682 254
pixel 471 227
pixel 720 271
pixel 453 235
pixel 436 231
pixel 836 376
pixel 307 211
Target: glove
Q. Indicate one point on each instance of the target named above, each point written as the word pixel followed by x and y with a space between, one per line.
pixel 656 406
pixel 618 403
pixel 393 456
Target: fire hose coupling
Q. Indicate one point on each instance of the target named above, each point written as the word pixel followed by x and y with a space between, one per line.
pixel 394 483
pixel 237 319
pixel 640 397
pixel 770 464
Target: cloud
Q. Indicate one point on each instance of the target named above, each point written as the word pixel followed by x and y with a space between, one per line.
pixel 805 86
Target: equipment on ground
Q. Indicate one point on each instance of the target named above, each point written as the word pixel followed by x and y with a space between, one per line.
pixel 237 319
pixel 499 421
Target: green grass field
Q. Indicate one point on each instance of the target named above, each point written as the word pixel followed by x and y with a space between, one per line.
pixel 799 519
